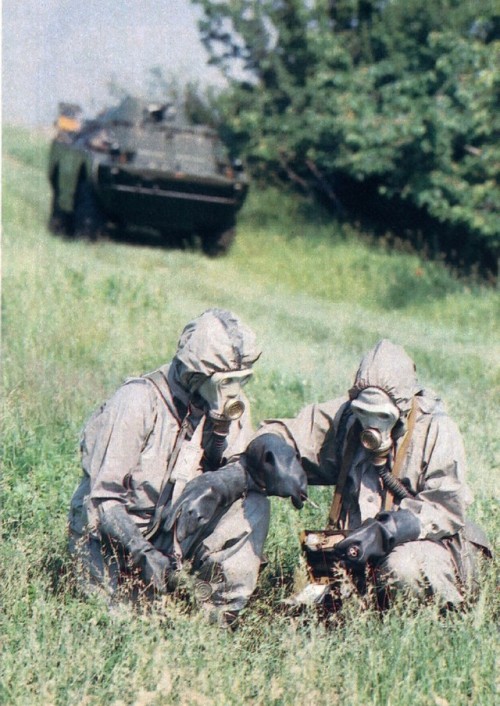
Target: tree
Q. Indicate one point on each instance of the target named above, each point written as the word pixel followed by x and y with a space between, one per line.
pixel 397 96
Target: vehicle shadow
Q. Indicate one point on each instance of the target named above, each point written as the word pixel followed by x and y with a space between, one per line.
pixel 151 238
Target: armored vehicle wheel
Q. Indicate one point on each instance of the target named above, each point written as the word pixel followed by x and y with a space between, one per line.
pixel 89 219
pixel 218 243
pixel 59 221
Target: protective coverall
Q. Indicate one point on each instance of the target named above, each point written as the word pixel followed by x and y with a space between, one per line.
pixel 153 437
pixel 435 552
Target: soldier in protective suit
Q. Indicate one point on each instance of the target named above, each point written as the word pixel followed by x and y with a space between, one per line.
pixel 157 489
pixel 397 462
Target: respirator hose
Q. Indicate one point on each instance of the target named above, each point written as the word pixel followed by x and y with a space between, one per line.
pixel 393 484
pixel 215 442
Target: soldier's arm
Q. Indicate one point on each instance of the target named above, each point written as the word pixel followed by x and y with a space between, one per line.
pixel 125 426
pixel 442 494
pixel 307 433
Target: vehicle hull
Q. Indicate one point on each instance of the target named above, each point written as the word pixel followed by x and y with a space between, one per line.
pixel 130 166
pixel 160 200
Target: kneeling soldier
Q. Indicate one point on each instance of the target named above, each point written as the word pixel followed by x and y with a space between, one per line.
pixel 157 488
pixel 397 462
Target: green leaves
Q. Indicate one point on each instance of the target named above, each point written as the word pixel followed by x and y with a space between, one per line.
pixel 400 94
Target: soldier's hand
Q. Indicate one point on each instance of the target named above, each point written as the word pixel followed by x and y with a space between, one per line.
pixel 204 498
pixel 118 526
pixel 362 545
pixel 377 537
pixel 275 469
pixel 155 569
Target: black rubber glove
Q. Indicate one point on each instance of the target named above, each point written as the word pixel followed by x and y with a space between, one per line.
pixel 275 469
pixel 155 567
pixel 377 537
pixel 203 498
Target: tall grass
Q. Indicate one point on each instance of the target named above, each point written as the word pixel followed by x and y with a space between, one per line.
pixel 77 318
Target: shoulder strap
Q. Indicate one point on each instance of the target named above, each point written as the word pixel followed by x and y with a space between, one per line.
pixel 401 452
pixel 159 381
pixel 336 506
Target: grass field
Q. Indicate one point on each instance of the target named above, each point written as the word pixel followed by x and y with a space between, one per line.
pixel 77 318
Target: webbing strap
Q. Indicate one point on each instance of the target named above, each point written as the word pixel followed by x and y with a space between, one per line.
pixel 157 378
pixel 160 383
pixel 401 452
pixel 336 506
pixel 166 488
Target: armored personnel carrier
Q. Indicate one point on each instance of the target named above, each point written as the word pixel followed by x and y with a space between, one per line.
pixel 137 164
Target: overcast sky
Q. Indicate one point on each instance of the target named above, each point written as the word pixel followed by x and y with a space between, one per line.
pixel 68 50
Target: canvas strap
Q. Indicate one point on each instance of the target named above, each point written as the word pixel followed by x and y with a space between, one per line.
pixel 185 434
pixel 336 506
pixel 402 451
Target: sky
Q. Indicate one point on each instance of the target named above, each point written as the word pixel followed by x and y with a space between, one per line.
pixel 68 50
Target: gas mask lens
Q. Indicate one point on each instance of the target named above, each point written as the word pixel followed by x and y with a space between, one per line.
pixel 377 415
pixel 222 393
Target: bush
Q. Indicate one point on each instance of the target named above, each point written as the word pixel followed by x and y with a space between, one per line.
pixel 399 100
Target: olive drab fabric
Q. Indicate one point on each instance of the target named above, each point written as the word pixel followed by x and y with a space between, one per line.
pixel 433 468
pixel 128 444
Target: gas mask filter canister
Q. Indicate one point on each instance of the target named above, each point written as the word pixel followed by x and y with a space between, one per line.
pixel 378 415
pixel 222 393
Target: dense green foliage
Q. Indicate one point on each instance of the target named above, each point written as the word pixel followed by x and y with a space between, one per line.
pixel 79 317
pixel 366 101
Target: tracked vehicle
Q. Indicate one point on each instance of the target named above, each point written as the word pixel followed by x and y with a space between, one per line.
pixel 138 165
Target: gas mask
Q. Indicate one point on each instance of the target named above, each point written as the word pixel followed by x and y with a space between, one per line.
pixel 378 416
pixel 221 391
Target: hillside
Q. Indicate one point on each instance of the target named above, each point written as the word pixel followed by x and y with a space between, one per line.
pixel 79 317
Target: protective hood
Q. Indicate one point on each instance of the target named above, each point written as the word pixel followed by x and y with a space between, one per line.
pixel 216 341
pixel 389 368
